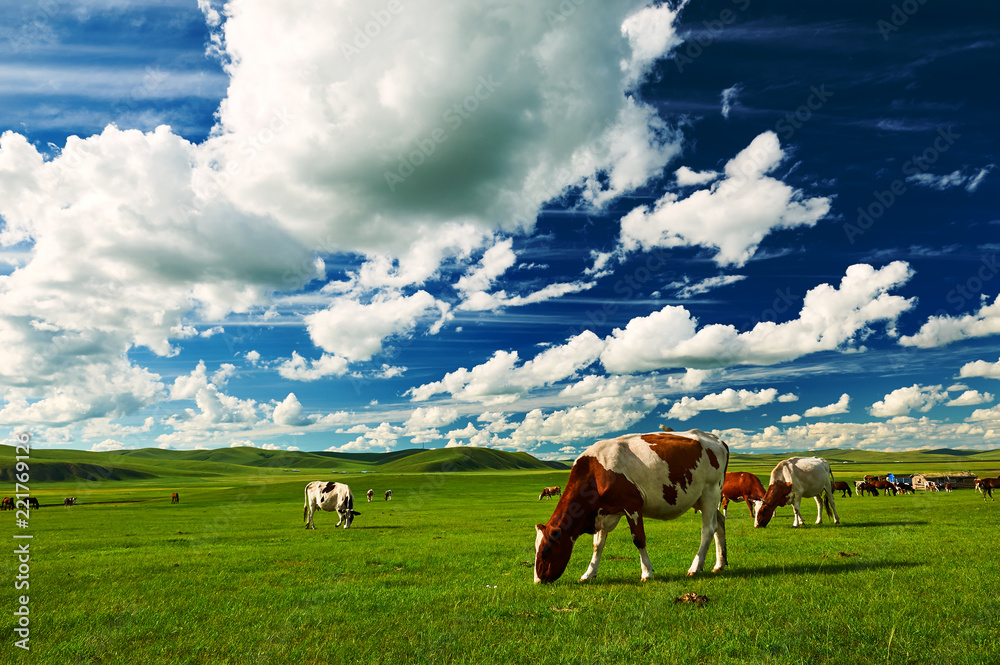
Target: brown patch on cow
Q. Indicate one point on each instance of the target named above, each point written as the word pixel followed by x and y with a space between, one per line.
pixel 777 493
pixel 670 494
pixel 712 458
pixel 681 455
pixel 591 489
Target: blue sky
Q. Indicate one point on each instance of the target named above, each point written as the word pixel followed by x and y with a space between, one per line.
pixel 524 225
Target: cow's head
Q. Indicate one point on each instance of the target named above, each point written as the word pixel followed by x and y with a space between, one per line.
pixel 777 495
pixel 348 516
pixel 552 551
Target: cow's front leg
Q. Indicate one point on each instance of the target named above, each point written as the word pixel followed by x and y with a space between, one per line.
pixel 819 508
pixel 797 519
pixel 639 540
pixel 604 524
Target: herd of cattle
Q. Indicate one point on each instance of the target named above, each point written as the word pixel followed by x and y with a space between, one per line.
pixel 662 475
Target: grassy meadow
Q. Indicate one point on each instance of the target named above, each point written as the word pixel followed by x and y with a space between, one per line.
pixel 443 572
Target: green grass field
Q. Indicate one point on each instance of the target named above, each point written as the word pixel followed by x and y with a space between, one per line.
pixel 443 573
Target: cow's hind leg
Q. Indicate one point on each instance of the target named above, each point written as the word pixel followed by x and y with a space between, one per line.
pixel 604 526
pixel 831 506
pixel 711 518
pixel 721 554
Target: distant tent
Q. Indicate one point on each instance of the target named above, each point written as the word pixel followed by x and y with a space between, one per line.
pixel 891 478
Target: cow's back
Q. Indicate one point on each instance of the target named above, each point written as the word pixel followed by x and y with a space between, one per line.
pixel 808 475
pixel 670 470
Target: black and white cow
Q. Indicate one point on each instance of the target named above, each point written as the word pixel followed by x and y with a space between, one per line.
pixel 321 495
pixel 388 495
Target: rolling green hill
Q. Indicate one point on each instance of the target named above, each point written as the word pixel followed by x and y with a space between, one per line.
pixel 466 459
pixel 56 465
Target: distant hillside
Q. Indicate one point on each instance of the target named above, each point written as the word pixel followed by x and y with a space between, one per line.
pixel 466 459
pixel 56 465
pixel 58 471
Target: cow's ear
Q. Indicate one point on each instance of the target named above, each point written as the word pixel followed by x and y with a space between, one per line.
pixel 539 527
pixel 355 513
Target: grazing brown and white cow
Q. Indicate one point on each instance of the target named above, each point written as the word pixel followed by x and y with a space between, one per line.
pixel 740 485
pixel 987 485
pixel 550 492
pixel 885 486
pixel 321 495
pixel 175 498
pixel 791 481
pixel 69 501
pixel 657 475
pixel 904 488
pixel 388 494
pixel 371 495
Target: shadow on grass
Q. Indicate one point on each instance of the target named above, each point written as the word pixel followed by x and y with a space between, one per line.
pixel 825 568
pixel 832 567
pixel 855 525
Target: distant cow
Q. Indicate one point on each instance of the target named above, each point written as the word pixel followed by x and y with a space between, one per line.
pixel 885 486
pixel 371 495
pixel 7 503
pixel 175 498
pixel 741 485
pixel 388 494
pixel 69 501
pixel 844 488
pixel 321 495
pixel 948 487
pixel 657 475
pixel 33 503
pixel 863 487
pixel 550 492
pixel 987 485
pixel 904 488
pixel 791 481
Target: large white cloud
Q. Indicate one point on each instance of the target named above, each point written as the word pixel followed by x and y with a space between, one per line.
pixel 733 215
pixel 911 398
pixel 501 379
pixel 840 406
pixel 830 318
pixel 940 330
pixel 473 112
pixel 356 330
pixel 728 401
pixel 981 368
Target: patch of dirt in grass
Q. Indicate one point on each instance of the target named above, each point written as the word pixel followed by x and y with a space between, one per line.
pixel 692 597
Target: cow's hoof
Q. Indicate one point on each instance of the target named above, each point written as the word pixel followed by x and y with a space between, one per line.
pixel 691 574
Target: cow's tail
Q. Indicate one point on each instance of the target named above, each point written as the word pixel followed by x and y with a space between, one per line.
pixel 826 496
